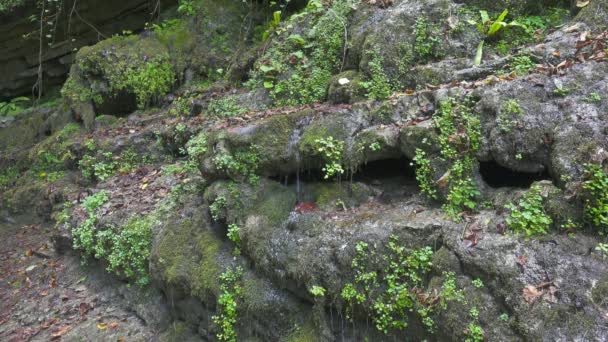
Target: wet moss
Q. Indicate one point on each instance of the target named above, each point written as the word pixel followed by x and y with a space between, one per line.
pixel 305 333
pixel 189 258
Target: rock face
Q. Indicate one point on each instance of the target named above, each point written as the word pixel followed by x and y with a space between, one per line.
pixel 369 182
pixel 76 24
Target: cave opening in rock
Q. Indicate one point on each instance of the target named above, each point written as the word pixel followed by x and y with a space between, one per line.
pixel 498 176
pixel 387 179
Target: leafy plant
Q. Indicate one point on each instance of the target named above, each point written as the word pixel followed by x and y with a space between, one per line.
pixel 217 206
pixel 14 106
pixel 317 291
pixel 596 201
pixel 424 174
pixel 187 7
pixel 427 45
pixel 528 216
pixel 234 236
pixel 478 283
pixel 225 107
pixel 231 292
pixel 603 249
pixel 83 236
pixel 387 291
pixel 331 150
pixel 489 28
pixel 474 333
pixel 241 164
pixel 378 87
pixel 128 249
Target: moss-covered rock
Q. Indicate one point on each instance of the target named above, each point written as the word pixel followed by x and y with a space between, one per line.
pixel 595 14
pixel 120 74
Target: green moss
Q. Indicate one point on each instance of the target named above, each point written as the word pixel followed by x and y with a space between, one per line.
pixel 274 207
pixel 306 333
pixel 127 64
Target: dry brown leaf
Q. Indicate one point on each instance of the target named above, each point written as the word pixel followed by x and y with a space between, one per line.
pixel 531 294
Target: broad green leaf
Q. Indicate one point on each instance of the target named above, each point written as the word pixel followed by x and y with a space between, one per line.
pixel 484 16
pixel 479 53
pixel 498 23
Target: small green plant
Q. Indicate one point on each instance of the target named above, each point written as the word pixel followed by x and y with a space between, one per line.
pixel 510 112
pixel 478 283
pixel 594 98
pixel 378 87
pixel 449 290
pixel 488 28
pixel 504 317
pixel 424 174
pixel 522 65
pixel 128 249
pixel 83 236
pixel 603 249
pixel 375 146
pixel 474 313
pixel 242 164
pixel 596 192
pixel 217 206
pixel 387 292
pixel 234 235
pixel 528 216
pixel 14 106
pixel 331 150
pixel 226 106
pixel 317 291
pixel 187 7
pixel 474 333
pixel 195 148
pixel 231 292
pixel 427 45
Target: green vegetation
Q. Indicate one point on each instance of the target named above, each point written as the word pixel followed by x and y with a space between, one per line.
pixel 389 291
pixel 427 45
pixel 459 137
pixel 594 97
pixel 424 174
pixel 478 283
pixel 234 236
pixel 378 87
pixel 296 68
pixel 596 201
pixel 226 106
pixel 522 65
pixel 216 208
pixel 474 333
pixel 15 105
pixel 240 165
pixel 510 112
pixel 231 292
pixel 528 216
pixel 489 28
pixel 317 291
pixel 331 150
pixel 126 249
pixel 50 158
pixel 140 67
pixel 8 5
pixel 101 165
pixel 83 236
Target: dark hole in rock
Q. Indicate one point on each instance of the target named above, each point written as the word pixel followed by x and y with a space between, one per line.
pixel 387 180
pixel 498 176
pixel 121 104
